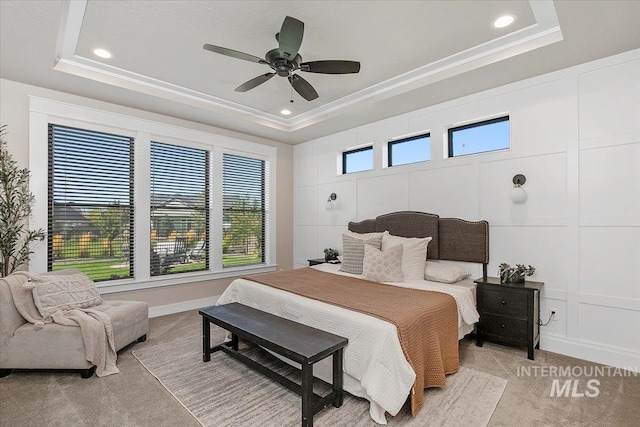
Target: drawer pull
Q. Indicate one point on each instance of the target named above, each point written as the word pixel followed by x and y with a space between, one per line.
pixel 504 302
pixel 503 326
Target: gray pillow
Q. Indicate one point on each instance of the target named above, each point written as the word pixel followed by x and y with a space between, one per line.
pixel 353 252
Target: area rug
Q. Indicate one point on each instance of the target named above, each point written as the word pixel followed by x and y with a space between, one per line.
pixel 224 392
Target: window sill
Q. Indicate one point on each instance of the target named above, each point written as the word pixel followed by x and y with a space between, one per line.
pixel 181 278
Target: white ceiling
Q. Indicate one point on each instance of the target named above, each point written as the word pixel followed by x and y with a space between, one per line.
pixel 413 54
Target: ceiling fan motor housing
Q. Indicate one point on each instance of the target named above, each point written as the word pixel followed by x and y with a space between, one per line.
pixel 280 65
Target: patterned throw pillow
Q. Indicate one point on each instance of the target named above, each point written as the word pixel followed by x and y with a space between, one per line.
pixel 54 293
pixel 445 273
pixel 353 252
pixel 382 266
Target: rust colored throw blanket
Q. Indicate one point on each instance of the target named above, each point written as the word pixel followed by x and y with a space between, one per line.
pixel 427 321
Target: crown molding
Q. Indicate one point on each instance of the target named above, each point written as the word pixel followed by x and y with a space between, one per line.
pixel 545 31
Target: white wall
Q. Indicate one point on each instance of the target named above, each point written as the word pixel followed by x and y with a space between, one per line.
pixel 575 134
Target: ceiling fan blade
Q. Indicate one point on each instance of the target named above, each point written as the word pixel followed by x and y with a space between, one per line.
pixel 303 87
pixel 331 67
pixel 233 53
pixel 254 82
pixel 290 37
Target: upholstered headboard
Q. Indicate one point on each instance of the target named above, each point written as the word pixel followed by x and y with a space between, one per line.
pixel 452 238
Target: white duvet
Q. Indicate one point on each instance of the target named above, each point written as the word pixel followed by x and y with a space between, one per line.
pixel 374 364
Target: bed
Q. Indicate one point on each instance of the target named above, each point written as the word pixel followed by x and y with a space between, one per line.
pixel 375 364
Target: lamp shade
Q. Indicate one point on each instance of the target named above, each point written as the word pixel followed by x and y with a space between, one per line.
pixel 518 195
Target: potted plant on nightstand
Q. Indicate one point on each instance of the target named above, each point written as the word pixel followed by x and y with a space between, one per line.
pixel 330 254
pixel 515 274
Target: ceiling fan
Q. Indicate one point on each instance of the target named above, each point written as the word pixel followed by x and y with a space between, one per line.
pixel 284 60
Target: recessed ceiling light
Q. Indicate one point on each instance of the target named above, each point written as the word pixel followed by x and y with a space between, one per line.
pixel 285 112
pixel 504 21
pixel 102 53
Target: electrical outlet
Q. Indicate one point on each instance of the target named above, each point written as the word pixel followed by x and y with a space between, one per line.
pixel 556 314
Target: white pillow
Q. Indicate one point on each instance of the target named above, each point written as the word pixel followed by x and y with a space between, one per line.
pixel 54 293
pixel 414 254
pixel 445 273
pixel 382 266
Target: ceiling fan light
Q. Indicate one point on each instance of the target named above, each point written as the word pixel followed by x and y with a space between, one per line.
pixel 503 21
pixel 102 53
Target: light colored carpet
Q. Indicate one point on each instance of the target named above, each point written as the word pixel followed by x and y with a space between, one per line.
pixel 224 392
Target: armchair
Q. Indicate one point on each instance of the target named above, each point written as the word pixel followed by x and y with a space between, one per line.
pixel 54 346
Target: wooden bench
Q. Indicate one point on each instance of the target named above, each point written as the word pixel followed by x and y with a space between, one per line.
pixel 299 343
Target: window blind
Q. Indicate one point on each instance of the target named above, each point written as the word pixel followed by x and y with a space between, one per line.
pixel 179 209
pixel 90 202
pixel 244 211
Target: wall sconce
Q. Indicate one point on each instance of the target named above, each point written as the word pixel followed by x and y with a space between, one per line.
pixel 331 201
pixel 518 195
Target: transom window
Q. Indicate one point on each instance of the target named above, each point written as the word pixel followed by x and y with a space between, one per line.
pixel 409 150
pixel 481 137
pixel 357 160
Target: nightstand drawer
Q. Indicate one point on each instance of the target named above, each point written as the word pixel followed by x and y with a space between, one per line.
pixel 504 302
pixel 505 327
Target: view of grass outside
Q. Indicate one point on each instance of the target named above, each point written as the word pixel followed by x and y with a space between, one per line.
pixel 99 248
pixel 91 222
pixel 243 210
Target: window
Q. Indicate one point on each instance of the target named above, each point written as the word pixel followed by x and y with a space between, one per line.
pixel 488 135
pixel 357 160
pixel 90 203
pixel 244 214
pixel 179 209
pixel 410 150
pixel 133 202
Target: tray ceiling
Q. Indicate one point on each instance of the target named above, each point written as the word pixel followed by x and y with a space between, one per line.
pixel 405 48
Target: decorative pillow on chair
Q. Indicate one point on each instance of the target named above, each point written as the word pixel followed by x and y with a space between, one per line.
pixel 382 266
pixel 445 273
pixel 353 252
pixel 54 293
pixel 414 254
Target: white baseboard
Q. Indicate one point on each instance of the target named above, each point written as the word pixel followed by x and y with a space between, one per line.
pixel 597 353
pixel 194 304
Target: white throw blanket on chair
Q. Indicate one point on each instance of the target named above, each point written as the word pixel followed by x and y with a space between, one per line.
pixel 95 326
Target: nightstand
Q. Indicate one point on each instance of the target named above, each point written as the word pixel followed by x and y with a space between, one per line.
pixel 321 261
pixel 509 313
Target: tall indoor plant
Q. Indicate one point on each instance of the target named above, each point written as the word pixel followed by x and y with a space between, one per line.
pixel 15 209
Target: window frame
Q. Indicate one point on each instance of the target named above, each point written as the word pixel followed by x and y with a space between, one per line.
pixel 401 140
pixel 43 111
pixel 450 131
pixel 353 151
